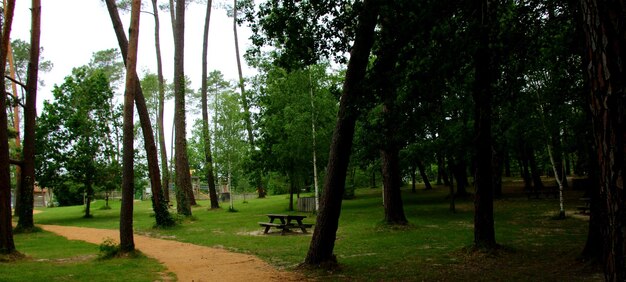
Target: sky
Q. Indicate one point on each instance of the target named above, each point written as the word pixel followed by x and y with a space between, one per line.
pixel 72 30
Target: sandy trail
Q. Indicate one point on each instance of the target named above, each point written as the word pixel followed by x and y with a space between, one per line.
pixel 189 262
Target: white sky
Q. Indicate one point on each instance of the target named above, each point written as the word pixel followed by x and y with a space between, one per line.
pixel 72 30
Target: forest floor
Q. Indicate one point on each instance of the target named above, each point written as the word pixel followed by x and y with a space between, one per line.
pixel 189 262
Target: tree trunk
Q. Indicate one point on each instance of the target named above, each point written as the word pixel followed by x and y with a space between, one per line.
pixel 246 107
pixel 292 188
pixel 25 221
pixel 534 171
pixel 524 170
pixel 485 76
pixel 164 166
pixel 323 240
pixel 162 215
pixel 88 196
pixel 208 158
pixel 605 49
pixel 452 195
pixel 413 179
pixel 443 171
pixel 384 66
pixel 394 210
pixel 459 171
pixel 16 125
pixel 422 169
pixel 183 178
pixel 7 245
pixel 507 164
pixel 127 243
pixel 559 165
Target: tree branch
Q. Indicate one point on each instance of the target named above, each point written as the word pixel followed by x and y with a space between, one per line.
pixel 16 162
pixel 14 100
pixel 15 81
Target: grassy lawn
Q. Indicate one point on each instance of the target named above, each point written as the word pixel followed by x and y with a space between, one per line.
pixel 433 247
pixel 53 258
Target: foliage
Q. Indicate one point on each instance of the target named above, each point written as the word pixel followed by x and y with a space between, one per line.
pixel 75 136
pixel 289 103
pixel 108 249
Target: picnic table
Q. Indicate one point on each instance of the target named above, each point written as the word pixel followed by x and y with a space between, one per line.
pixel 287 222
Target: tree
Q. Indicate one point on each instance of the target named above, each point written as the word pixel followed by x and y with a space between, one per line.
pixel 19 56
pixel 127 243
pixel 604 50
pixel 157 41
pixel 7 245
pixel 183 178
pixel 230 145
pixel 286 107
pixel 484 79
pixel 73 133
pixel 324 235
pixel 159 205
pixel 210 176
pixel 244 99
pixel 25 221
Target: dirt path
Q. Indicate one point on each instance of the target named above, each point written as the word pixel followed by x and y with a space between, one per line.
pixel 189 262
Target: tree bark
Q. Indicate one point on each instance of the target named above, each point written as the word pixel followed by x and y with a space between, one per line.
pixel 246 107
pixel 162 215
pixel 534 170
pixel 25 221
pixel 392 180
pixel 208 158
pixel 605 51
pixel 485 72
pixel 183 178
pixel 386 59
pixel 16 125
pixel 413 179
pixel 165 182
pixel 7 245
pixel 422 170
pixel 323 241
pixel 127 243
pixel 559 165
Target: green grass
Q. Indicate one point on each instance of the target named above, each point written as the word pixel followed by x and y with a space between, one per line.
pixel 53 258
pixel 433 247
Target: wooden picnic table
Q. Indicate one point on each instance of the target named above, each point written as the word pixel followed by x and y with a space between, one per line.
pixel 286 223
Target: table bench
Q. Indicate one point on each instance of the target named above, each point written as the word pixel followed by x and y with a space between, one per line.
pixel 286 223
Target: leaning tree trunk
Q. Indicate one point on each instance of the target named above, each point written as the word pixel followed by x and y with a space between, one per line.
pixel 7 245
pixel 323 241
pixel 605 50
pixel 159 205
pixel 127 243
pixel 25 221
pixel 165 182
pixel 246 107
pixel 422 170
pixel 485 71
pixel 183 177
pixel 208 158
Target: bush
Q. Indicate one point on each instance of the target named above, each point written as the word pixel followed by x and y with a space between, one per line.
pixel 109 249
